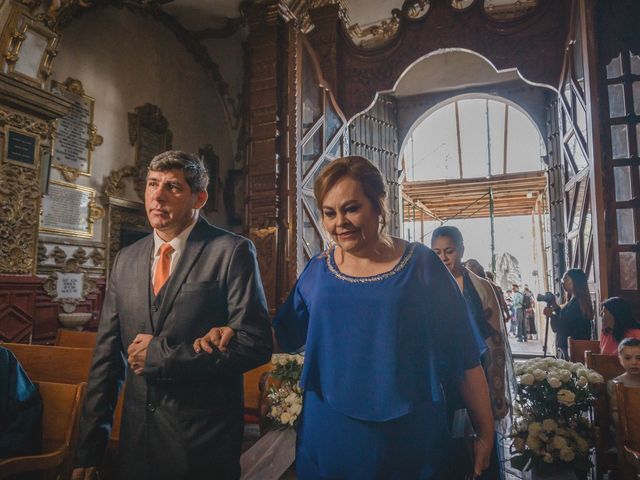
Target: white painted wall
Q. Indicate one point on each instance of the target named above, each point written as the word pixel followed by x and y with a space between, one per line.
pixel 125 60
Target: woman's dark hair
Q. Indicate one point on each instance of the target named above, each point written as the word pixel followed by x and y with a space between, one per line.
pixel 448 231
pixel 581 291
pixel 622 316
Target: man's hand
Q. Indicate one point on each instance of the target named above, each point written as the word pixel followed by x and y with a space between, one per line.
pixel 218 337
pixel 138 352
pixel 84 473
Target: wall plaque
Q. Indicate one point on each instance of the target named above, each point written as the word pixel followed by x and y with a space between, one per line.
pixel 76 135
pixel 69 210
pixel 150 135
pixel 21 148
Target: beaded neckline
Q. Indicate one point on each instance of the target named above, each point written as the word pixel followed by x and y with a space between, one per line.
pixel 333 268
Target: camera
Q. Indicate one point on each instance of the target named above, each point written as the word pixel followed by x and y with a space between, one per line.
pixel 547 297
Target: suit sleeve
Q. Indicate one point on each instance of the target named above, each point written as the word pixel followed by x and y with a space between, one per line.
pixel 105 379
pixel 248 316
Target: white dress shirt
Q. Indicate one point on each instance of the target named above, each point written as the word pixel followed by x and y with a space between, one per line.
pixel 178 243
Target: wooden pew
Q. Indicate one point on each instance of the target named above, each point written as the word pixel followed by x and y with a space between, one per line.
pixel 609 367
pixel 61 405
pixel 53 364
pixel 577 349
pixel 73 338
pixel 252 392
pixel 628 400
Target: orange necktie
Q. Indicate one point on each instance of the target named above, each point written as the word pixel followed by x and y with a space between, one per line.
pixel 163 268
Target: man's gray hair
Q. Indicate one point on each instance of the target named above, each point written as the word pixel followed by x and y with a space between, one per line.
pixel 195 173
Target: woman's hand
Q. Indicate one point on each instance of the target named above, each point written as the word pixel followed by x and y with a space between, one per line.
pixel 218 337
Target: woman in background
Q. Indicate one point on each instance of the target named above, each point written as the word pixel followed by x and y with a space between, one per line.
pixel 448 244
pixel 573 319
pixel 617 324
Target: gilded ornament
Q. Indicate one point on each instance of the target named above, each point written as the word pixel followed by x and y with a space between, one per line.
pixel 97 257
pixel 96 212
pixel 68 173
pixel 19 204
pixel 42 252
pixel 114 186
pixel 59 255
pixel 80 255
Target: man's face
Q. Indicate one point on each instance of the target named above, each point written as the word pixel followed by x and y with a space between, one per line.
pixel 169 202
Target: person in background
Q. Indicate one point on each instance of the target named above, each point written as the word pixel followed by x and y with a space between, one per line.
pixel 20 410
pixel 572 319
pixel 474 266
pixel 447 242
pixel 617 324
pixel 518 308
pixel 629 356
pixel 529 306
pixel 383 326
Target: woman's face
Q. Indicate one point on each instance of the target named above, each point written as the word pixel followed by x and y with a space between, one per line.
pixel 567 284
pixel 349 216
pixel 448 252
pixel 608 319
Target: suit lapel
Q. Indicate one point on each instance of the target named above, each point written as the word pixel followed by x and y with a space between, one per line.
pixel 192 250
pixel 146 275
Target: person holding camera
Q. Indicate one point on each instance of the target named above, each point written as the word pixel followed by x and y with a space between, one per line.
pixel 573 319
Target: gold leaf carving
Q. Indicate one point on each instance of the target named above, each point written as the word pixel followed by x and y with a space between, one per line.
pixel 58 255
pixel 114 186
pixel 19 198
pixel 80 255
pixel 97 257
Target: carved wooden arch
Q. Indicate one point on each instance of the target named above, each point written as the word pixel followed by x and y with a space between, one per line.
pixel 534 45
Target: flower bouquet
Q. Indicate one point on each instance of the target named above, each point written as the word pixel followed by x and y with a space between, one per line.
pixel 271 456
pixel 285 394
pixel 551 431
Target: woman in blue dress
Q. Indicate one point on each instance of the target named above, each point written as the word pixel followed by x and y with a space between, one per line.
pixel 373 315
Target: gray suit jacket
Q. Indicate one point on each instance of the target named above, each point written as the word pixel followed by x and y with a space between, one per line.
pixel 183 417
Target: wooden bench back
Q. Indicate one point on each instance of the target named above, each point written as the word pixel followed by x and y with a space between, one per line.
pixel 61 406
pixel 53 364
pixel 577 349
pixel 628 399
pixel 253 393
pixel 606 365
pixel 60 409
pixel 72 338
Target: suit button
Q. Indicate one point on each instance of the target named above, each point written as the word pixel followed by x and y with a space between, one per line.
pixel 154 308
pixel 151 407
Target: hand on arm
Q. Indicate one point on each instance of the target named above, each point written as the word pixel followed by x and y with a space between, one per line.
pixel 475 393
pixel 217 337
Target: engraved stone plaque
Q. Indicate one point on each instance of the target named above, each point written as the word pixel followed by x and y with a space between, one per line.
pixel 66 210
pixel 76 135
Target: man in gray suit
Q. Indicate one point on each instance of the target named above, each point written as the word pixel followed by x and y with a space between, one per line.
pixel 183 411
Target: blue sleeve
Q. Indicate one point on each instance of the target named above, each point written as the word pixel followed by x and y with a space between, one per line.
pixel 292 322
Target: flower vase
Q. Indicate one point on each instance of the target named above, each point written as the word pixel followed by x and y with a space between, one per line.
pixel 563 474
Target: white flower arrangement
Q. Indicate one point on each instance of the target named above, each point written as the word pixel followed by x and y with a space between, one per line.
pixel 550 429
pixel 285 394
